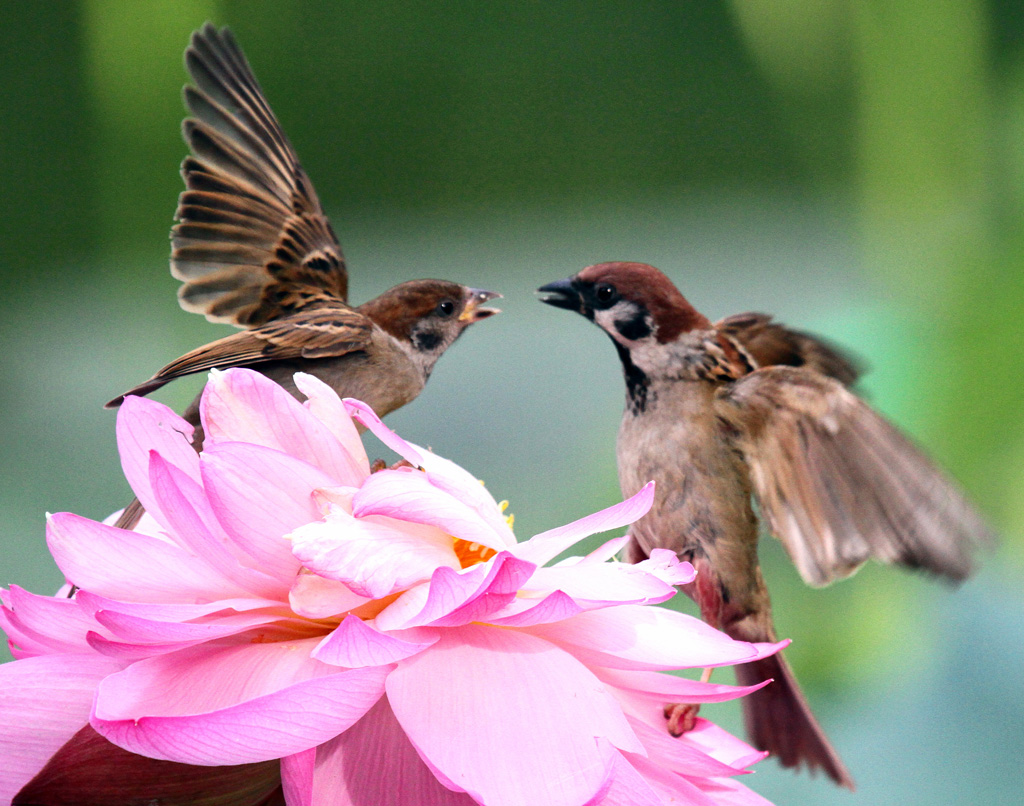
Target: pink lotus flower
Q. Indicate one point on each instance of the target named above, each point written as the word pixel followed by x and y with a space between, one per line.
pixel 350 637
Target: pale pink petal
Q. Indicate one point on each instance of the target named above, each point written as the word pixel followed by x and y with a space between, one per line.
pixel 672 688
pixel 524 612
pixel 315 597
pixel 547 720
pixel 665 565
pixel 544 547
pixel 365 415
pixel 323 402
pixel 651 638
pixel 176 611
pixel 628 787
pixel 128 565
pixel 135 629
pixel 672 787
pixel 408 495
pixel 143 425
pixel 728 792
pixel 187 514
pixel 354 644
pixel 232 704
pixel 240 405
pixel 44 701
pixel 297 778
pixel 455 598
pixel 722 745
pixel 259 496
pixel 605 551
pixel 678 755
pixel 374 556
pixel 373 764
pixel 602 583
pixel 50 624
pixel 459 483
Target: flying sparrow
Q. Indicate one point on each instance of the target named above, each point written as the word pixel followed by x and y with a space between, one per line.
pixel 717 411
pixel 253 248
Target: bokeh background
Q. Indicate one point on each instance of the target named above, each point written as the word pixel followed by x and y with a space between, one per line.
pixel 856 168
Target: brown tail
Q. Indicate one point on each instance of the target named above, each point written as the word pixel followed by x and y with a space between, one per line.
pixel 780 721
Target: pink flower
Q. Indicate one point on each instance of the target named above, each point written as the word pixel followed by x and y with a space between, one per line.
pixel 368 639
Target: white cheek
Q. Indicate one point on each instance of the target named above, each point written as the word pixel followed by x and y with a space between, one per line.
pixel 606 320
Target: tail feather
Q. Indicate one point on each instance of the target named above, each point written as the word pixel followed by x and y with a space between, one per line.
pixel 780 721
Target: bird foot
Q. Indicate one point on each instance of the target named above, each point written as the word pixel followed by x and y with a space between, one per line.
pixel 682 717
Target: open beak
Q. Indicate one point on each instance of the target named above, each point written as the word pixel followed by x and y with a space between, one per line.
pixel 474 312
pixel 561 294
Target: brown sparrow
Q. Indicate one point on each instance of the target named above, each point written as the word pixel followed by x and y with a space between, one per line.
pixel 717 411
pixel 254 249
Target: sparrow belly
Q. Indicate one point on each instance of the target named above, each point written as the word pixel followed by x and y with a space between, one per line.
pixel 702 508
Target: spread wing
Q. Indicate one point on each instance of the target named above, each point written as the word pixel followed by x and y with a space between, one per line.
pixel 838 484
pixel 324 332
pixel 253 242
pixel 771 344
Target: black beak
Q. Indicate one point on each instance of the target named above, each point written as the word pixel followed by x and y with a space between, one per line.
pixel 562 294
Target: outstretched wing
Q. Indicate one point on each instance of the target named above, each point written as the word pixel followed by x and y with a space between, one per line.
pixel 253 242
pixel 771 344
pixel 838 484
pixel 323 332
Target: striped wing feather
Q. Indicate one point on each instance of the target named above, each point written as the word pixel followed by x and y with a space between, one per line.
pixel 839 485
pixel 324 332
pixel 252 242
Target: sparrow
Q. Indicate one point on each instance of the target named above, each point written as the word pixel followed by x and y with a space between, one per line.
pixel 253 248
pixel 718 412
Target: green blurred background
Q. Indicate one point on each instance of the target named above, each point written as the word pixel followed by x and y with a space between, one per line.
pixel 856 168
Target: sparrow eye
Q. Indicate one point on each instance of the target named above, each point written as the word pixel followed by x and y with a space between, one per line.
pixel 445 308
pixel 605 293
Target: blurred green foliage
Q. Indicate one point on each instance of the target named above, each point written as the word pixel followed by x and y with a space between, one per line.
pixel 855 167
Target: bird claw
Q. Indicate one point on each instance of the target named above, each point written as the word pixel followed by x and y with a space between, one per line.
pixel 682 717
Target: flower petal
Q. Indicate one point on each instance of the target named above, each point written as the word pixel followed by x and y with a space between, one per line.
pixel 368 417
pixel 323 402
pixel 408 495
pixel 187 514
pixel 297 778
pixel 524 612
pixel 374 556
pixel 46 624
pixel 680 756
pixel 355 644
pixel 544 547
pixel 454 598
pixel 628 787
pixel 315 597
pixel 259 495
pixel 130 565
pixel 215 705
pixel 602 583
pixel 546 719
pixel 722 745
pixel 671 688
pixel 44 702
pixel 373 764
pixel 143 425
pixel 241 405
pixel 652 638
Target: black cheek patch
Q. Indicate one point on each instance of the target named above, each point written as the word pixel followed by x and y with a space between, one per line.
pixel 634 328
pixel 426 341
